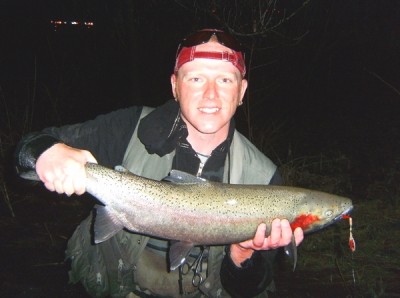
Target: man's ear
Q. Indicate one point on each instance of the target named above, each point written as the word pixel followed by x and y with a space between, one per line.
pixel 173 85
pixel 243 89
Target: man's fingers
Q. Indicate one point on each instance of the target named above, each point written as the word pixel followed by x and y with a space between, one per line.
pixel 89 157
pixel 49 186
pixel 68 179
pixel 298 235
pixel 58 186
pixel 80 183
pixel 276 232
pixel 68 185
pixel 259 238
pixel 287 232
pixel 281 233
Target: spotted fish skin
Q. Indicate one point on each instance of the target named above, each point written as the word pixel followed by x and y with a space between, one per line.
pixel 192 209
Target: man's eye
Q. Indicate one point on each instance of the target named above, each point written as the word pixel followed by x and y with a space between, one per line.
pixel 226 80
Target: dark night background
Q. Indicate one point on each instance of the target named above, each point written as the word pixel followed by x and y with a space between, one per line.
pixel 324 87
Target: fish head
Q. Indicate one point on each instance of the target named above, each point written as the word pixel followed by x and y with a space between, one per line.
pixel 321 211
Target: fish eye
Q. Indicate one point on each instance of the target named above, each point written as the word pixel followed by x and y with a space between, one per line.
pixel 328 213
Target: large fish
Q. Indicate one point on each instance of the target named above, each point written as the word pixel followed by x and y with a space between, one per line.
pixel 195 211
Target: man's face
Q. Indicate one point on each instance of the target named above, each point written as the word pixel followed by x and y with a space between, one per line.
pixel 208 91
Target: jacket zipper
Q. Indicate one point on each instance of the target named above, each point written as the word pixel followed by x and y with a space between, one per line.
pixel 203 159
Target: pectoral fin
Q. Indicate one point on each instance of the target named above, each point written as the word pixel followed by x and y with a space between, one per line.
pixel 105 224
pixel 178 252
pixel 291 251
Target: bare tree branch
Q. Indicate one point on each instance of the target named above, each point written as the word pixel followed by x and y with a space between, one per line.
pixel 382 80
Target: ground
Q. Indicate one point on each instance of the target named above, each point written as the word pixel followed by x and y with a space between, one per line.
pixel 36 226
pixel 33 245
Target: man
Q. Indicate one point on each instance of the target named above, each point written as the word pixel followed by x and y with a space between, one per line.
pixel 194 133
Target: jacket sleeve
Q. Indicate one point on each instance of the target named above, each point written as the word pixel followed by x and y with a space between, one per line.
pixel 106 137
pixel 255 274
pixel 252 278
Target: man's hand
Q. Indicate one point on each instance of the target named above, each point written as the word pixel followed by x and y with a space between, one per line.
pixel 62 169
pixel 281 235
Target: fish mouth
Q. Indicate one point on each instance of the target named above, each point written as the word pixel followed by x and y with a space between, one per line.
pixel 337 218
pixel 344 213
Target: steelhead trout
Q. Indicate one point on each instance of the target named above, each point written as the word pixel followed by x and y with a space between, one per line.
pixel 194 211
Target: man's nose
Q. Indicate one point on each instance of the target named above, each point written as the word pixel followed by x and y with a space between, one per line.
pixel 211 91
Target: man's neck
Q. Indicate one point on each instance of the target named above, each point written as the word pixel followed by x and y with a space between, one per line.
pixel 205 143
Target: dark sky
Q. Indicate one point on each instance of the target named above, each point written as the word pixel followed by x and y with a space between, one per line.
pixel 339 83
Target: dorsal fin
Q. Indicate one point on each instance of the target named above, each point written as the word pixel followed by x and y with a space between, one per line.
pixel 176 176
pixel 121 169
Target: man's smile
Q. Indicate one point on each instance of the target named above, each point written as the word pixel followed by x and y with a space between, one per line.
pixel 209 110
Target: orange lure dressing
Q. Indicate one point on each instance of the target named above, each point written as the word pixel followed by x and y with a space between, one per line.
pixel 352 242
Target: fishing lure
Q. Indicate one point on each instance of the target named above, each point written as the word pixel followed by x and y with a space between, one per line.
pixel 352 242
